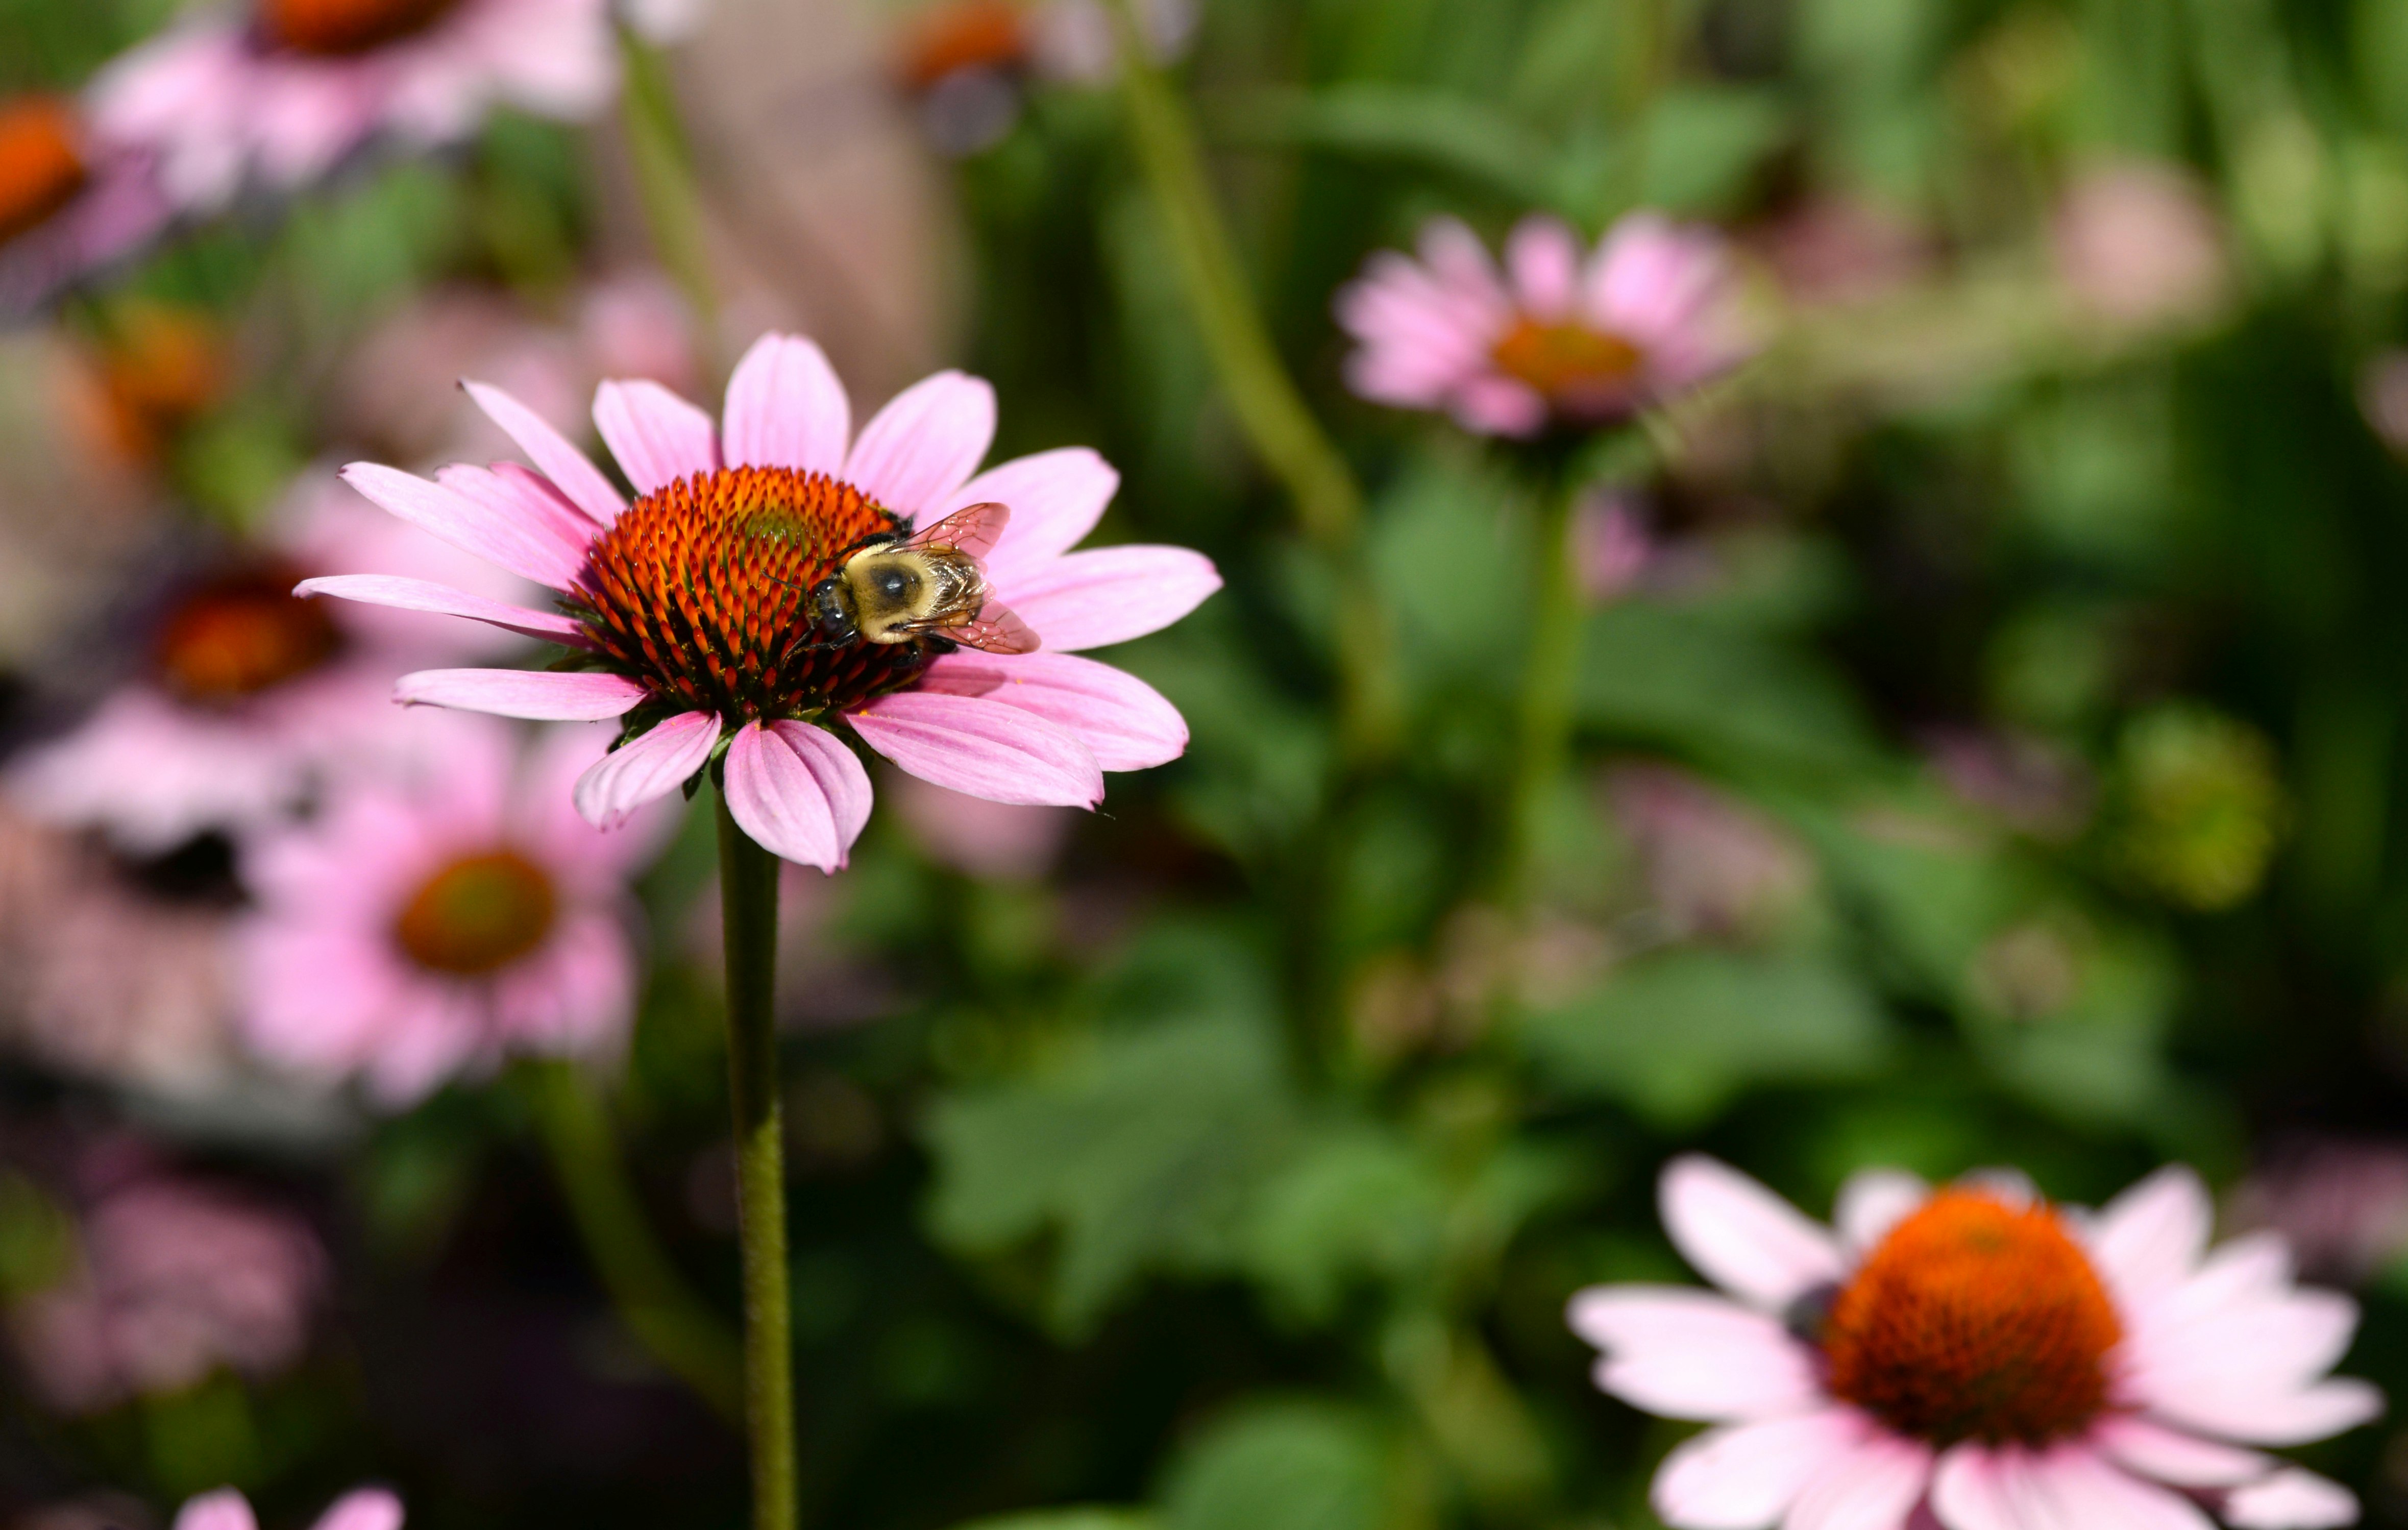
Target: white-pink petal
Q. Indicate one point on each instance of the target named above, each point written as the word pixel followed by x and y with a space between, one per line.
pixel 2168 1455
pixel 443 600
pixel 1056 498
pixel 797 791
pixel 568 468
pixel 365 1509
pixel 1544 257
pixel 1742 1236
pixel 2250 1414
pixel 925 444
pixel 1109 595
pixel 786 409
pixel 981 748
pixel 1873 1486
pixel 1871 1203
pixel 1745 1476
pixel 645 769
pixel 528 549
pixel 657 437
pixel 2082 1490
pixel 1126 723
pixel 543 695
pixel 2291 1499
pixel 2150 1237
pixel 1691 1354
pixel 224 1510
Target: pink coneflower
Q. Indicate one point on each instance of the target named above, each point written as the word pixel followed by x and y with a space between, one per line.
pixel 1976 1357
pixel 433 922
pixel 248 691
pixel 69 199
pixel 963 61
pixel 1553 340
pixel 282 89
pixel 362 1508
pixel 694 610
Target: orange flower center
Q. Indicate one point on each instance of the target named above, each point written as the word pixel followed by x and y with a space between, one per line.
pixel 1577 370
pixel 958 35
pixel 241 633
pixel 702 591
pixel 342 28
pixel 1974 1319
pixel 478 915
pixel 160 369
pixel 40 170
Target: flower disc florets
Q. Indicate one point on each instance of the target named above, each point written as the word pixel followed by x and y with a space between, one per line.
pixel 239 633
pixel 41 168
pixel 1974 1319
pixel 702 592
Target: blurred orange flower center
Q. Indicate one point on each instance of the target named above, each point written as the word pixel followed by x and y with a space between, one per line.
pixel 478 915
pixel 958 35
pixel 241 633
pixel 338 28
pixel 1974 1319
pixel 1569 364
pixel 162 368
pixel 40 170
pixel 702 591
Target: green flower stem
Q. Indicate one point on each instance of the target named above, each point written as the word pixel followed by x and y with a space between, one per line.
pixel 665 185
pixel 653 1298
pixel 748 888
pixel 1268 408
pixel 1543 743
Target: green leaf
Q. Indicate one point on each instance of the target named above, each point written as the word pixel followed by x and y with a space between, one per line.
pixel 1356 1201
pixel 1072 1517
pixel 1436 129
pixel 1677 1036
pixel 1280 1465
pixel 1702 146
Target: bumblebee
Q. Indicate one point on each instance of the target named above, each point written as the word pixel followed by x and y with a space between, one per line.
pixel 930 584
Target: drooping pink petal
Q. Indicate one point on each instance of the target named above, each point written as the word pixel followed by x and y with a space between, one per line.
pixel 443 600
pixel 1873 1486
pixel 527 548
pixel 1742 1236
pixel 553 456
pixel 2081 1489
pixel 1691 1354
pixel 1056 498
pixel 1745 1476
pixel 1126 723
pixel 2249 1414
pixel 542 696
pixel 1109 595
pixel 2168 1455
pixel 364 1508
pixel 1544 257
pixel 1872 1202
pixel 786 409
pixel 2291 1499
pixel 224 1510
pixel 2148 1238
pixel 645 767
pixel 657 437
pixel 981 748
pixel 797 791
pixel 925 444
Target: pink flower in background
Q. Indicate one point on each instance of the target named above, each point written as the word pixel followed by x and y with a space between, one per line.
pixel 250 691
pixel 1846 250
pixel 693 606
pixel 1557 338
pixel 2340 1204
pixel 997 840
pixel 433 921
pixel 2137 243
pixel 1713 864
pixel 175 1279
pixel 2383 398
pixel 963 60
pixel 1976 1358
pixel 1611 546
pixel 362 1508
pixel 280 89
pixel 70 199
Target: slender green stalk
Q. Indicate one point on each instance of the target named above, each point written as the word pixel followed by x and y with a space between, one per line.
pixel 666 184
pixel 652 1297
pixel 1269 408
pixel 1542 745
pixel 748 886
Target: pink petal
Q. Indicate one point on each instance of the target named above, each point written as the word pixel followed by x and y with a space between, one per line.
pixel 2168 1455
pixel 1873 1486
pixel 1691 1354
pixel 645 767
pixel 2084 1490
pixel 514 491
pixel 224 1510
pixel 1872 1202
pixel 1109 595
pixel 981 748
pixel 441 599
pixel 364 1508
pixel 1124 722
pixel 544 696
pixel 1745 1476
pixel 2291 1499
pixel 567 467
pixel 1544 258
pixel 2261 1418
pixel 797 791
pixel 523 546
pixel 2150 1237
pixel 786 409
pixel 657 437
pixel 1742 1236
pixel 1056 498
pixel 925 444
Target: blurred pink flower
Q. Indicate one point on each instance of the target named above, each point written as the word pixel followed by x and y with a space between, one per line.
pixel 2033 785
pixel 433 921
pixel 964 60
pixel 2137 243
pixel 1845 250
pixel 2340 1204
pixel 2383 397
pixel 280 89
pixel 70 199
pixel 997 840
pixel 175 1279
pixel 695 603
pixel 1610 546
pixel 362 1508
pixel 251 691
pixel 1713 864
pixel 1557 338
pixel 1977 1359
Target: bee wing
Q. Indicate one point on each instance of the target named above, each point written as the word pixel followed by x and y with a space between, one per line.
pixel 972 532
pixel 997 629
